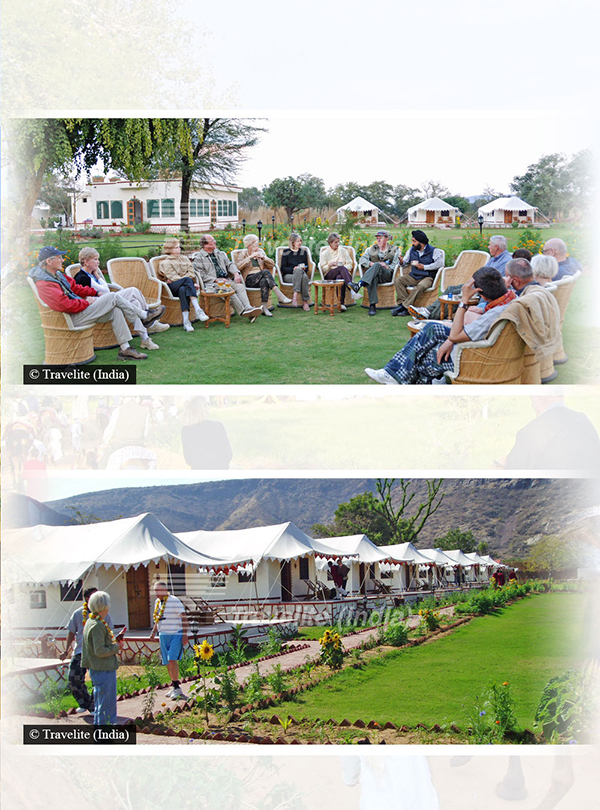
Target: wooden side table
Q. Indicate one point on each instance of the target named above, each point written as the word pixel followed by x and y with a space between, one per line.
pixel 448 305
pixel 208 301
pixel 331 295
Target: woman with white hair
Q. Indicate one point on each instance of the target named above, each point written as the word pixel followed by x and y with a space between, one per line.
pixel 257 271
pixel 544 267
pixel 338 264
pixel 181 279
pixel 90 275
pixel 99 656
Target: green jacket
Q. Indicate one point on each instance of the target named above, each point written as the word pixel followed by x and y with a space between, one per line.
pixel 99 652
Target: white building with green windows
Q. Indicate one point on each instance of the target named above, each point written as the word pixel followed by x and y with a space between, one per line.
pixel 114 203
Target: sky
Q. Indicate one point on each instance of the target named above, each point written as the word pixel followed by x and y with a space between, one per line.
pixel 466 151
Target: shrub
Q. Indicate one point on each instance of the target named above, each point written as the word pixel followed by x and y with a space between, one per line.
pixel 565 709
pixel 91 233
pixel 228 687
pixel 396 635
pixel 253 688
pixel 531 240
pixel 142 227
pixel 277 680
pixel 332 649
pixel 109 248
pixel 430 619
pixel 474 241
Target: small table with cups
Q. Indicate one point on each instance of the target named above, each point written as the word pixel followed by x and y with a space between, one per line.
pixel 331 295
pixel 208 298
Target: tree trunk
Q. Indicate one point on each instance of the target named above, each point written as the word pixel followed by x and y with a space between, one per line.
pixel 184 205
pixel 17 221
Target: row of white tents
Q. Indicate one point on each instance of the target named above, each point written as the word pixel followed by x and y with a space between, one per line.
pixel 265 563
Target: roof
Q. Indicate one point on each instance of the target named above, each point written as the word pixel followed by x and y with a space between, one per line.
pixel 359 204
pixel 61 554
pixel 506 204
pixel 459 557
pixel 437 556
pixel 406 553
pixel 432 204
pixel 355 545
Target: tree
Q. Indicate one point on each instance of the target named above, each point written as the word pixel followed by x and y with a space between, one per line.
pixel 56 195
pixel 344 193
pixel 404 197
pixel 547 184
pixel 433 188
pixel 551 553
pixel 212 151
pixel 382 520
pixel 483 548
pixel 380 194
pixel 251 198
pixel 296 194
pixel 463 205
pixel 457 538
pixel 36 147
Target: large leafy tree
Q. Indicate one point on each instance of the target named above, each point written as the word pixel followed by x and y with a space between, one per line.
pixel 36 147
pixel 433 188
pixel 551 553
pixel 213 151
pixel 556 184
pixel 380 194
pixel 403 198
pixel 251 198
pixel 458 538
pixel 390 515
pixel 296 194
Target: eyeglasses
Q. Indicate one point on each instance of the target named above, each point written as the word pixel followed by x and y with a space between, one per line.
pixel 546 250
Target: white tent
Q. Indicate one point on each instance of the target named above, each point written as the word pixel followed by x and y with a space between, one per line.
pixel 358 206
pixel 432 211
pixel 506 210
pixel 63 554
pixel 352 547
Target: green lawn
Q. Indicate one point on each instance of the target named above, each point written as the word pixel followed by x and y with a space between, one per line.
pixel 530 642
pixel 292 347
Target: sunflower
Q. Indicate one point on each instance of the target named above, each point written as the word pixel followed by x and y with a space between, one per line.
pixel 204 651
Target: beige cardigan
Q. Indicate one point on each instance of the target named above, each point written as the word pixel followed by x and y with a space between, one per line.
pixel 244 264
pixel 340 256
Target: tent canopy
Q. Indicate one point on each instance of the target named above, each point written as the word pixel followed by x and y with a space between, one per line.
pixel 432 204
pixel 437 556
pixel 354 545
pixel 358 204
pixel 506 204
pixel 406 553
pixel 283 541
pixel 61 554
pixel 459 557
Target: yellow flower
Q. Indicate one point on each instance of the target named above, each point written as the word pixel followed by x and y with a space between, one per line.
pixel 205 651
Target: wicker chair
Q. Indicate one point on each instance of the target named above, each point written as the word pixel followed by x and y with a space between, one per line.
pixel 467 262
pixel 430 295
pixel 252 292
pixel 386 292
pixel 66 344
pixel 104 337
pixel 350 302
pixel 134 272
pixel 288 289
pixel 173 315
pixel 497 360
pixel 564 288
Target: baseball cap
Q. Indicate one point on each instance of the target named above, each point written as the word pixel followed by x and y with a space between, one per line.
pixel 47 252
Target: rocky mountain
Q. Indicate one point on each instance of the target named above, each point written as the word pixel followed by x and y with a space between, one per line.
pixel 505 513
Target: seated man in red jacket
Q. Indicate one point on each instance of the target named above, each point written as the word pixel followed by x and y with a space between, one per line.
pixel 86 308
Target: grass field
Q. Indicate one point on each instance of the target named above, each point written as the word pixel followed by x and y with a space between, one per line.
pixel 292 347
pixel 528 643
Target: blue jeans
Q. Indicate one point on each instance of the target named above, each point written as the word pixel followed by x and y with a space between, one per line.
pixel 105 696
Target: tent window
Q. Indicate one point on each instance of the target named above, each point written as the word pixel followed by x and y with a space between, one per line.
pixel 176 579
pixel 217 580
pixel 72 593
pixel 386 575
pixel 303 567
pixel 445 213
pixel 244 576
pixel 37 600
pixel 522 213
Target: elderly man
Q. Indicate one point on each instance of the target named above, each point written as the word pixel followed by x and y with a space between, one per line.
pixel 424 261
pixel 519 275
pixel 567 265
pixel 499 255
pixel 378 264
pixel 429 354
pixel 211 263
pixel 62 294
pixel 171 624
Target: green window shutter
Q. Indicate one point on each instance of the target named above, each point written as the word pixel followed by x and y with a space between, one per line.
pixel 234 208
pixel 102 210
pixel 168 208
pixel 192 208
pixel 206 208
pixel 116 209
pixel 152 209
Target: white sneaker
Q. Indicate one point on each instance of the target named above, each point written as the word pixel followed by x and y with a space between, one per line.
pixel 149 344
pixel 343 307
pixel 157 327
pixel 187 327
pixel 267 313
pixel 380 375
pixel 177 694
pixel 80 710
pixel 356 295
pixel 285 300
pixel 422 313
pixel 201 315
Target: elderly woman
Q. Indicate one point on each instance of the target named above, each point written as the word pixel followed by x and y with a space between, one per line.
pixel 256 269
pixel 178 272
pixel 90 275
pixel 99 655
pixel 544 267
pixel 337 263
pixel 294 270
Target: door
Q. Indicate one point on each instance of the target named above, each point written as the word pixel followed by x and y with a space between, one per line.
pixel 134 212
pixel 176 579
pixel 213 211
pixel 430 217
pixel 138 604
pixel 508 217
pixel 362 577
pixel 286 581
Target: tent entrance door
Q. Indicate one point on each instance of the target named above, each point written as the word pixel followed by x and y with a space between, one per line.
pixel 362 578
pixel 430 217
pixel 138 598
pixel 286 581
pixel 508 217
